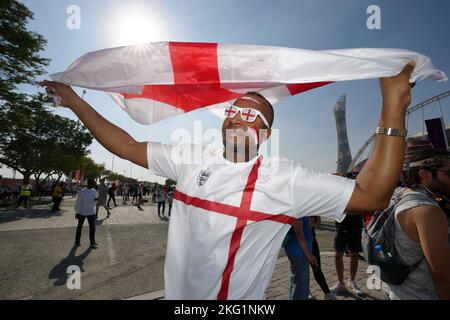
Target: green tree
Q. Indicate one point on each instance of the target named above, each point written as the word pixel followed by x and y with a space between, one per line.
pixel 35 141
pixel 90 169
pixel 170 183
pixel 20 62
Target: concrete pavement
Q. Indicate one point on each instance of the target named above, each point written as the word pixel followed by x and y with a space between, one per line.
pixel 37 248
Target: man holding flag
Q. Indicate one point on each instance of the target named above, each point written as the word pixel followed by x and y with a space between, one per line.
pixel 230 211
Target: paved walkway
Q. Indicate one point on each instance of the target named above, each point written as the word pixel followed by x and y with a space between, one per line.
pixel 40 217
pixel 279 286
pixel 127 265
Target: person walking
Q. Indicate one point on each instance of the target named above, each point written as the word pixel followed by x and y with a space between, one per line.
pixel 154 194
pixel 170 200
pixel 348 235
pixel 25 192
pixel 102 196
pixel 161 195
pixel 298 249
pixel 112 195
pixel 125 191
pixel 58 194
pixel 85 209
pixel 140 199
pixel 135 194
pixel 317 269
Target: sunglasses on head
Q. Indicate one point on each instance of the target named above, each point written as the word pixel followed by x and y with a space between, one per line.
pixel 436 161
pixel 247 114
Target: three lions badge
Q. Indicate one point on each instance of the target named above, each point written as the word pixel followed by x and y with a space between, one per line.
pixel 203 176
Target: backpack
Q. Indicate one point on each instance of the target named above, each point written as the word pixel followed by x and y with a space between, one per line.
pixel 380 232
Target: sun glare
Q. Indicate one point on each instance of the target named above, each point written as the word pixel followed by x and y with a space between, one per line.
pixel 137 27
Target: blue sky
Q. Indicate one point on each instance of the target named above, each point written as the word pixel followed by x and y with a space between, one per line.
pixel 306 122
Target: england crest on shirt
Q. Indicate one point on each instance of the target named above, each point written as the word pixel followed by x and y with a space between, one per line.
pixel 203 176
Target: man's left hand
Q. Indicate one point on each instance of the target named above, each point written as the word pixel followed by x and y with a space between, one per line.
pixel 396 90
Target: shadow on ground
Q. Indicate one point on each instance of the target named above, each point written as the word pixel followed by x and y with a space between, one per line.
pixel 33 213
pixel 59 272
pixel 353 296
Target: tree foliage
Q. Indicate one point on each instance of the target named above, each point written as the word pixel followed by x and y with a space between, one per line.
pixel 90 169
pixel 34 141
pixel 20 62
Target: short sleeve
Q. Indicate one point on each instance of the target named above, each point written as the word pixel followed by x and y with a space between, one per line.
pixel 78 203
pixel 166 159
pixel 320 194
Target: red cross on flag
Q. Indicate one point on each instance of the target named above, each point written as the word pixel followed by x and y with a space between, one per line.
pixel 157 80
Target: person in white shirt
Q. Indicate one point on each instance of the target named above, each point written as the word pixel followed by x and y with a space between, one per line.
pixel 102 196
pixel 161 202
pixel 85 209
pixel 231 209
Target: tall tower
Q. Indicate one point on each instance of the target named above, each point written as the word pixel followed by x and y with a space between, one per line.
pixel 344 154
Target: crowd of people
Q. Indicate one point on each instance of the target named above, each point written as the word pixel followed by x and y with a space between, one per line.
pixel 57 190
pixel 91 198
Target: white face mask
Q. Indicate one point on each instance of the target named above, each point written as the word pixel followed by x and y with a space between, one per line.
pixel 235 142
pixel 240 134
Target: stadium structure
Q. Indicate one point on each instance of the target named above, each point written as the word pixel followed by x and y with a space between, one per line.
pixel 418 139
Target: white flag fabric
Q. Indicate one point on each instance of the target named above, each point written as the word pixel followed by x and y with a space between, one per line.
pixel 156 80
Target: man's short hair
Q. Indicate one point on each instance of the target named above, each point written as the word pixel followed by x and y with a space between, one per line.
pixel 429 159
pixel 257 94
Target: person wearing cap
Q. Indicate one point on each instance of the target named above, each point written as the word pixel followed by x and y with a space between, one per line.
pixel 422 233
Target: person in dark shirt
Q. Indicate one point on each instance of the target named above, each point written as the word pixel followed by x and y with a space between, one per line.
pixel 348 235
pixel 112 194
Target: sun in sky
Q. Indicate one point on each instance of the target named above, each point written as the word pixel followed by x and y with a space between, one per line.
pixel 137 25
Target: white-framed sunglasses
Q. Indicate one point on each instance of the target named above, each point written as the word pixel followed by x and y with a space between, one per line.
pixel 247 114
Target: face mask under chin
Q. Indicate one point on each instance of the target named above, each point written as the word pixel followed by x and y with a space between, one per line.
pixel 235 140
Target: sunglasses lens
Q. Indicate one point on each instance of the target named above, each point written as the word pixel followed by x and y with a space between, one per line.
pixel 230 111
pixel 249 115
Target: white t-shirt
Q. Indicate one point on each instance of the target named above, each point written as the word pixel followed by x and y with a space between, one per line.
pixel 223 243
pixel 85 204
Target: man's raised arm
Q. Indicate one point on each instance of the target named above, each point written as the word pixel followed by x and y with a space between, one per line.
pixel 110 136
pixel 381 173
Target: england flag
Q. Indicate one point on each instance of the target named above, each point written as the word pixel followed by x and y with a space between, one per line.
pixel 157 80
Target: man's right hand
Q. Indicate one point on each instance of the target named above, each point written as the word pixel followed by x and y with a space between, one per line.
pixel 113 138
pixel 312 259
pixel 68 96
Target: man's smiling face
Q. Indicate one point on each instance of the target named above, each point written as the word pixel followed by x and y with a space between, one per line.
pixel 236 131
